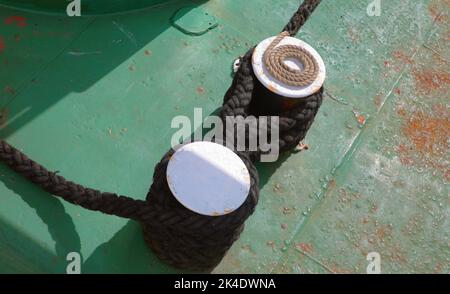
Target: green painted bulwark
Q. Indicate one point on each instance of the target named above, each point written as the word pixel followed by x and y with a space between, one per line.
pixel 88 7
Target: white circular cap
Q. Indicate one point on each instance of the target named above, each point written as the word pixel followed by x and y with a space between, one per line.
pixel 208 178
pixel 279 87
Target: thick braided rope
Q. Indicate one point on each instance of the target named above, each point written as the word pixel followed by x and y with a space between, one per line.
pixel 108 203
pixel 294 123
pixel 301 16
pixel 203 240
pixel 91 199
pixel 275 57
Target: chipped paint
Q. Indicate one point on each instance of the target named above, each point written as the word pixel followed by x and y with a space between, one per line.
pixel 430 80
pixel 17 20
pixel 2 44
pixel 427 136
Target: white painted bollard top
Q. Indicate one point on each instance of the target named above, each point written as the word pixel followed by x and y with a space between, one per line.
pixel 279 87
pixel 208 178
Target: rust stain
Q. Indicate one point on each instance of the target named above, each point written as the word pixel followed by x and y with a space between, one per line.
pixel 10 90
pixel 200 90
pixel 430 80
pixel 347 197
pixel 427 136
pixel 305 247
pixel 383 232
pixel 18 20
pixel 331 185
pixel 436 11
pixel 401 111
pixel 396 253
pixel 378 100
pixel 402 57
pixel 361 119
pixel 148 52
pixel 337 269
pixel 2 44
pixel 414 226
pixel 365 220
pixel 272 89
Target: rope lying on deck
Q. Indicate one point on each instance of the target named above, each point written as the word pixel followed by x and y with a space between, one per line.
pixel 177 235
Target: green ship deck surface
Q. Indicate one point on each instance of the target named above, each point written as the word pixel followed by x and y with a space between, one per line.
pixel 93 98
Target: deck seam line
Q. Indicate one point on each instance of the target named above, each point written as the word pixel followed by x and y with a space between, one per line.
pixel 309 256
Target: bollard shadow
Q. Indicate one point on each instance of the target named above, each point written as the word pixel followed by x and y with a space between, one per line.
pixel 126 253
pixel 51 211
pixel 86 48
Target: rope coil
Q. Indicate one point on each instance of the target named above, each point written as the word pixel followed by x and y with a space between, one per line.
pixel 275 57
pixel 177 235
pixel 202 241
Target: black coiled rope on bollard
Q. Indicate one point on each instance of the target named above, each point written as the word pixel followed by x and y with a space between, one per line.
pixel 202 241
pixel 246 91
pixel 177 235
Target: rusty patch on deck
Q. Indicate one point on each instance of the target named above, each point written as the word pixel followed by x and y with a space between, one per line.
pixel 305 247
pixel 2 44
pixel 436 11
pixel 402 57
pixel 427 137
pixel 430 80
pixel 200 90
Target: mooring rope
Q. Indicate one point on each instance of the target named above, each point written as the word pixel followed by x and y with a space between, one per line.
pixel 275 61
pixel 241 97
pixel 177 235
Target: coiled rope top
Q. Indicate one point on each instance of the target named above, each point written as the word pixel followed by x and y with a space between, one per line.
pixel 275 57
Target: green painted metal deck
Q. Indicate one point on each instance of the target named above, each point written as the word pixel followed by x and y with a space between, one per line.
pixel 93 98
